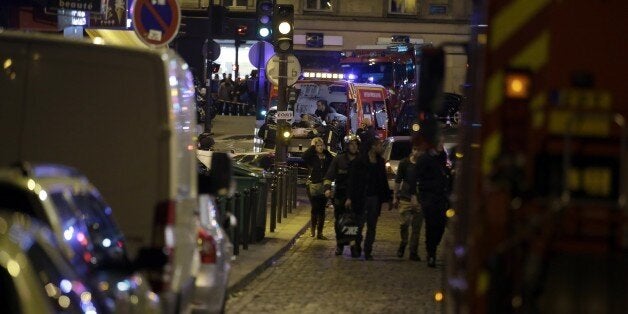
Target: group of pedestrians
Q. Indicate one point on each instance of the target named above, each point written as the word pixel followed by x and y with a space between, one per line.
pixel 228 92
pixel 361 190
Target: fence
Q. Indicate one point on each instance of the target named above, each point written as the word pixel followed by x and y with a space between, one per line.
pixel 249 205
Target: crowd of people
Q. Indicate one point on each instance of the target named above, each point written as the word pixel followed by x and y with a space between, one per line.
pixel 355 182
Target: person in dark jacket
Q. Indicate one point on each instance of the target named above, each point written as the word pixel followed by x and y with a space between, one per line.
pixel 405 199
pixel 339 172
pixel 433 186
pixel 317 158
pixel 367 191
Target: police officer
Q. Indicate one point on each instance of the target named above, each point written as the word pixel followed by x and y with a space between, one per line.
pixel 268 131
pixel 339 171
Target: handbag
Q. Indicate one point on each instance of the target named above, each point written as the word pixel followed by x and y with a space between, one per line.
pixel 347 226
pixel 316 189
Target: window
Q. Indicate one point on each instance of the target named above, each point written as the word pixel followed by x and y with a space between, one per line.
pixel 235 3
pixel 438 9
pixel 318 5
pixel 402 7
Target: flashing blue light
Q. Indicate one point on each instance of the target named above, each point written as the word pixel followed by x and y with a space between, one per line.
pixel 352 76
pixel 371 79
pixel 263 112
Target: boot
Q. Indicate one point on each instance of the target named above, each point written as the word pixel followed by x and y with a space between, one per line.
pixel 319 227
pixel 401 250
pixel 431 261
pixel 356 251
pixel 339 249
pixel 313 226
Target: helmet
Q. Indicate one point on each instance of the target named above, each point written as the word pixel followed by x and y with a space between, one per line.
pixel 352 137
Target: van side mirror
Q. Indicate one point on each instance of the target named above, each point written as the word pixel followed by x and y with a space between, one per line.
pixel 150 258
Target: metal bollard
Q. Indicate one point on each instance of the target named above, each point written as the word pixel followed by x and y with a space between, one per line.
pixel 246 218
pixel 285 193
pixel 273 205
pixel 236 231
pixel 296 186
pixel 290 190
pixel 263 211
pixel 279 195
pixel 253 212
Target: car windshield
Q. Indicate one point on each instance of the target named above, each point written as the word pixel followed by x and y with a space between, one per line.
pixel 376 73
pixel 400 150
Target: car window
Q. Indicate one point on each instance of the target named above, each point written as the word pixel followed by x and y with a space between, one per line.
pixel 400 150
pixel 107 239
pixel 14 198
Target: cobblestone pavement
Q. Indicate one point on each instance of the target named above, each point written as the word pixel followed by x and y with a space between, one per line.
pixel 309 278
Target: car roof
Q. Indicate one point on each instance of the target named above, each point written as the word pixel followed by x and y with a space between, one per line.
pixel 49 177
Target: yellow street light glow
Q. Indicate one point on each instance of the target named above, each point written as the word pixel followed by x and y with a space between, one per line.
pixel 459 155
pixel 7 63
pixel 13 267
pixel 286 134
pixel 284 28
pixel 450 213
pixel 99 41
pixel 518 85
pixel 438 296
pixel 416 127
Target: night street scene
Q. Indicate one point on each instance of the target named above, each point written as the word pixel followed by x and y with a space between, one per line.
pixel 313 156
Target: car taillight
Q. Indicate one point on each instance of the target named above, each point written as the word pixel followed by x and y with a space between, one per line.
pixel 207 247
pixel 164 238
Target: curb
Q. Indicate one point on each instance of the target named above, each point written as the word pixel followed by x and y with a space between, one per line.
pixel 239 285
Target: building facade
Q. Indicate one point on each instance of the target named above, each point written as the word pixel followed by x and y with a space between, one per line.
pixel 349 24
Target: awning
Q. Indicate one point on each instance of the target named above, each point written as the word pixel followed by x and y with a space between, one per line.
pixel 126 38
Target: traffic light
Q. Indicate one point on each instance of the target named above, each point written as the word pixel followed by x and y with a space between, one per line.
pixel 264 19
pixel 283 27
pixel 284 132
pixel 215 68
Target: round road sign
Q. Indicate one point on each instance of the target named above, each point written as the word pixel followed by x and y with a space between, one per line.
pixel 215 50
pixel 294 70
pixel 257 49
pixel 156 21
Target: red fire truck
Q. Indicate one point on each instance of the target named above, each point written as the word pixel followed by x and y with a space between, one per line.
pixel 540 221
pixel 392 66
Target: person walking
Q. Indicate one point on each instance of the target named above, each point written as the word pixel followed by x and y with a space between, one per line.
pixel 338 172
pixel 432 185
pixel 406 201
pixel 317 158
pixel 367 191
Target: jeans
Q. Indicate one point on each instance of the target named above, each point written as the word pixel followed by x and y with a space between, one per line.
pixel 369 216
pixel 410 216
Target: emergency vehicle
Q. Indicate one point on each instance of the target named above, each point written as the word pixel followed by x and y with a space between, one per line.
pixel 540 222
pixel 351 103
pixel 393 66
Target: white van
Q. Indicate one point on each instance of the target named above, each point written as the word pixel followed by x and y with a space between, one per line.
pixel 126 119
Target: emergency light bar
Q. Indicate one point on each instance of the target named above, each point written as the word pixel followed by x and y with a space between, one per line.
pixel 326 75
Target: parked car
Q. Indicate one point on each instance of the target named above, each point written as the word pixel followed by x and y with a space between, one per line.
pixel 130 128
pixel 34 276
pixel 82 224
pixel 215 248
pixel 215 259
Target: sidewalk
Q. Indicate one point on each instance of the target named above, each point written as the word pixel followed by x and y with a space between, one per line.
pixel 252 262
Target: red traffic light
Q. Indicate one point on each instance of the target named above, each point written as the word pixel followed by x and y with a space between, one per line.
pixel 241 31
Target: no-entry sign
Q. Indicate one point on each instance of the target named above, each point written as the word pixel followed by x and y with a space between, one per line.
pixel 156 21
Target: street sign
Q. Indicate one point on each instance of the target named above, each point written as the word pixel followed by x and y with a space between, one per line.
pixel 294 70
pixel 256 49
pixel 215 49
pixel 284 115
pixel 156 22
